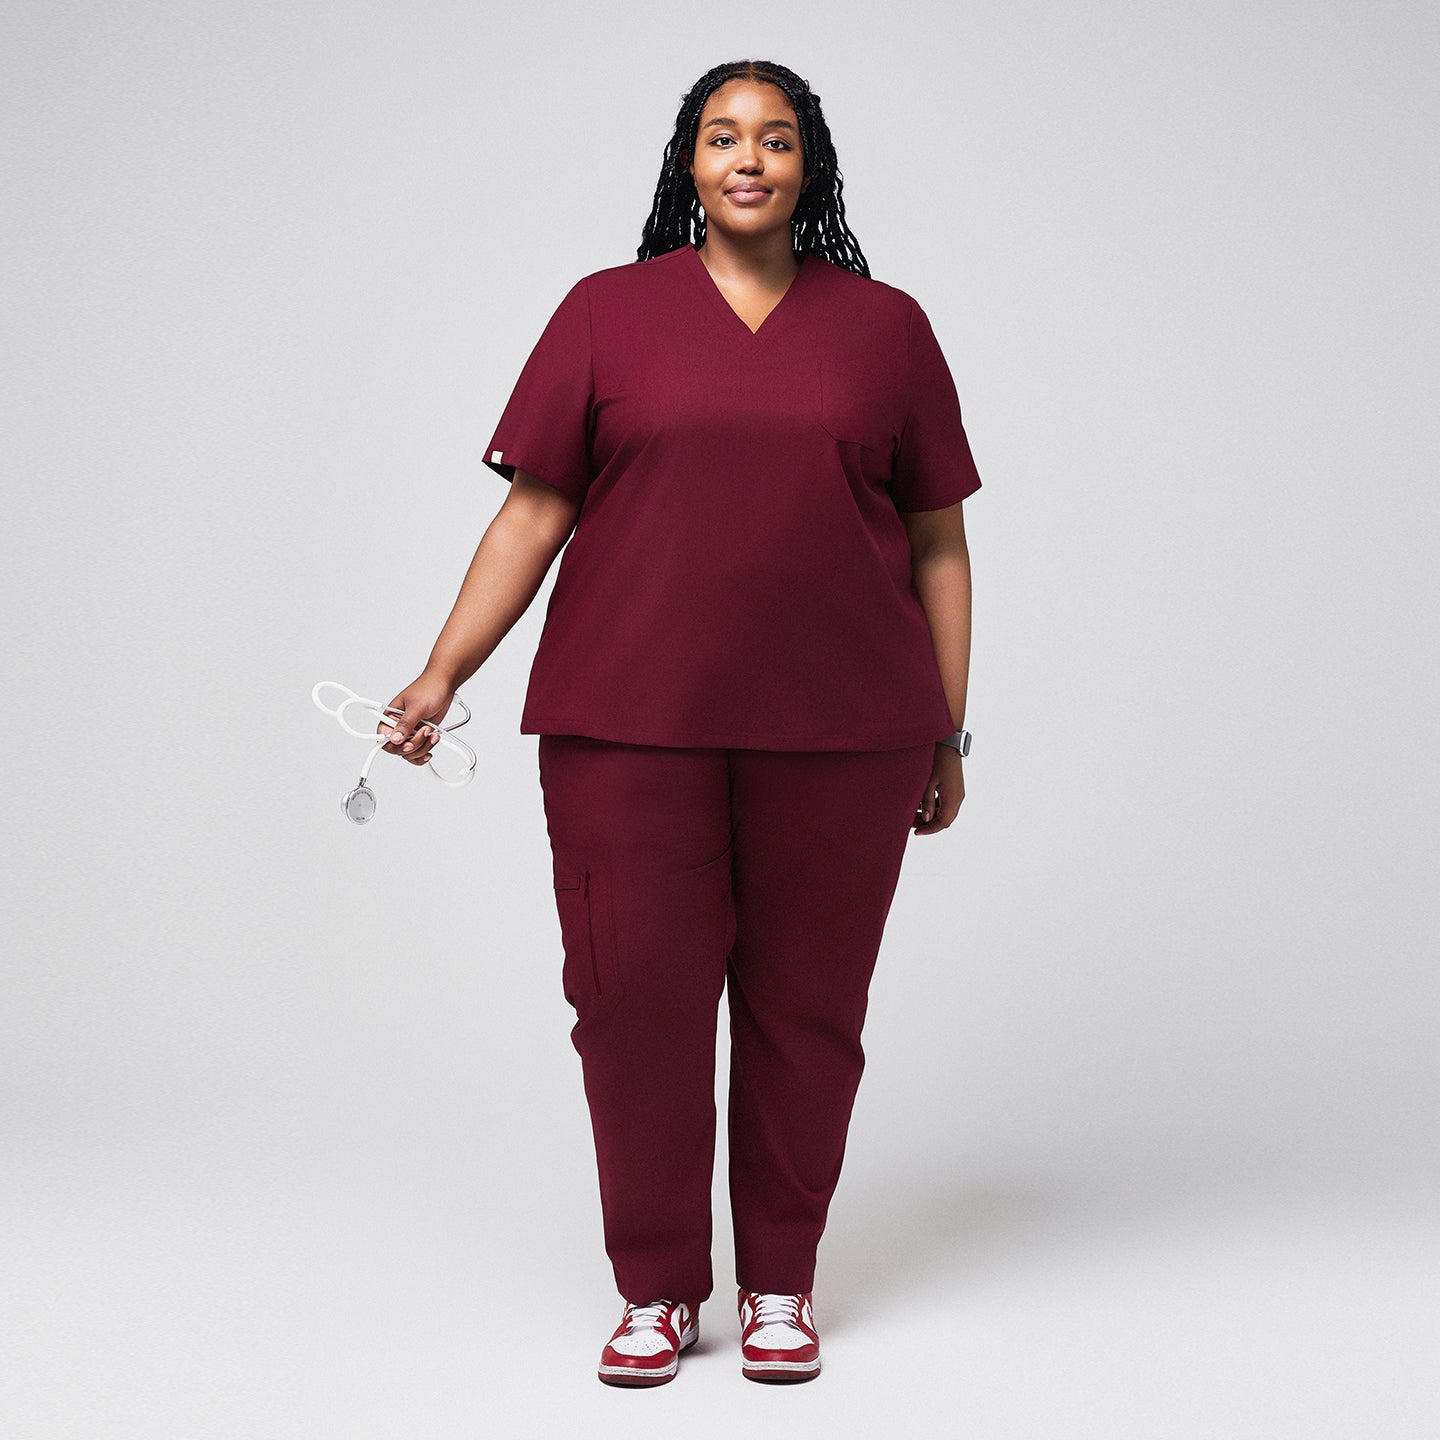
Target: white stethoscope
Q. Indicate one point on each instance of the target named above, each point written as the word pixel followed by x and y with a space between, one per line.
pixel 359 804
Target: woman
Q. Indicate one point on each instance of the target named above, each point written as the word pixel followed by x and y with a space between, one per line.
pixel 749 688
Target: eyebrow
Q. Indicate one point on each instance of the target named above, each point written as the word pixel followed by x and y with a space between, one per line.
pixel 767 125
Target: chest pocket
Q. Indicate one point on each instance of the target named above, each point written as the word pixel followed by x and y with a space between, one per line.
pixel 855 408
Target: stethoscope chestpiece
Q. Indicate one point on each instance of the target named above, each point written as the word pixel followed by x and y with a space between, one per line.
pixel 359 804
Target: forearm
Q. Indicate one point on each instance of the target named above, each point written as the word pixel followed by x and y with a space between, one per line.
pixel 943 582
pixel 509 566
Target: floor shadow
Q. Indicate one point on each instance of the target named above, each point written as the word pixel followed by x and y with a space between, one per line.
pixel 926 1233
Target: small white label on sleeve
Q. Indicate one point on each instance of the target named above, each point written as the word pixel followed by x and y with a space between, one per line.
pixel 496 458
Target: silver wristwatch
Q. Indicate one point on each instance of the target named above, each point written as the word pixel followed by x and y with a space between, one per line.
pixel 959 742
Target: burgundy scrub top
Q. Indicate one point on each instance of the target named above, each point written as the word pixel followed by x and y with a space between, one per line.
pixel 739 574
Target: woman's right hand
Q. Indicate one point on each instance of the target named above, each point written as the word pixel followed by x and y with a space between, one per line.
pixel 414 734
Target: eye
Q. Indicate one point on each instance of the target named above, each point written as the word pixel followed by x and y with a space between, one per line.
pixel 775 138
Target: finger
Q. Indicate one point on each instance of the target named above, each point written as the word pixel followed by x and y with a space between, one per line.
pixel 421 744
pixel 421 740
pixel 404 731
pixel 927 807
pixel 392 726
pixel 935 811
pixel 945 812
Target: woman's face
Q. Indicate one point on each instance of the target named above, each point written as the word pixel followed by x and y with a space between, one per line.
pixel 748 167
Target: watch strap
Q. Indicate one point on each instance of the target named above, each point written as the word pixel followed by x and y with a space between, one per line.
pixel 959 742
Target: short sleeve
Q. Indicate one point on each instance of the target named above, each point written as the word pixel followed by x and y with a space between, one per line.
pixel 933 466
pixel 545 426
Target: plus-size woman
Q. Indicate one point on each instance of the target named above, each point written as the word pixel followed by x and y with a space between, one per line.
pixel 748 692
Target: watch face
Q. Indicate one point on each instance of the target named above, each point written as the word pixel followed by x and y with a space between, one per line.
pixel 359 804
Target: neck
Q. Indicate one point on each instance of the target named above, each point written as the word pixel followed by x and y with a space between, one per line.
pixel 764 260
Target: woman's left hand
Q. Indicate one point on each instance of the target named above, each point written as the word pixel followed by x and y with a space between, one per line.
pixel 943 793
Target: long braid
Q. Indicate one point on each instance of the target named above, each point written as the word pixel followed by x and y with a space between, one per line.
pixel 818 225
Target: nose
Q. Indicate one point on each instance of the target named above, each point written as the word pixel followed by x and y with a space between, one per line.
pixel 748 157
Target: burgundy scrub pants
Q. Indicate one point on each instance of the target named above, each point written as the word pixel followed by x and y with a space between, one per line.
pixel 684 873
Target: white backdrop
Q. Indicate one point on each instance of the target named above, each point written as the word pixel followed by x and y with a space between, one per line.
pixel 294 1138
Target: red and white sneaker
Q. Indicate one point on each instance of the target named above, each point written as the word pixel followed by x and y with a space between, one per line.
pixel 778 1340
pixel 645 1348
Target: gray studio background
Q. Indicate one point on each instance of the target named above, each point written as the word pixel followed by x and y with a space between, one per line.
pixel 294 1142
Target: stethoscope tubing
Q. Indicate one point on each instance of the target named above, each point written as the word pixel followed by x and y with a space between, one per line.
pixel 377 711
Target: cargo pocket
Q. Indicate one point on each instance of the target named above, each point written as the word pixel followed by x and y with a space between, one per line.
pixel 854 407
pixel 589 975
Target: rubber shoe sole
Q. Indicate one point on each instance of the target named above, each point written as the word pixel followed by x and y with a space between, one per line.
pixel 633 1377
pixel 783 1371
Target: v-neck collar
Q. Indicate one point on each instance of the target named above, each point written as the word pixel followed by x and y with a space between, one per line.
pixel 717 296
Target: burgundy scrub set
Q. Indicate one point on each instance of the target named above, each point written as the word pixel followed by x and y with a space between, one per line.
pixel 737 700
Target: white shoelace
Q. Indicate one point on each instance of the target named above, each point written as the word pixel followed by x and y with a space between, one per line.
pixel 778 1310
pixel 646 1317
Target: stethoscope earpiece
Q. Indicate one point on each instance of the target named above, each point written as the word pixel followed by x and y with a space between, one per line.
pixel 359 804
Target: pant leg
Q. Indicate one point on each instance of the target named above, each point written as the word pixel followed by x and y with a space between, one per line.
pixel 641 842
pixel 819 840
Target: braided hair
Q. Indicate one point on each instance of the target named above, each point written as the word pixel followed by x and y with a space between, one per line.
pixel 818 224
